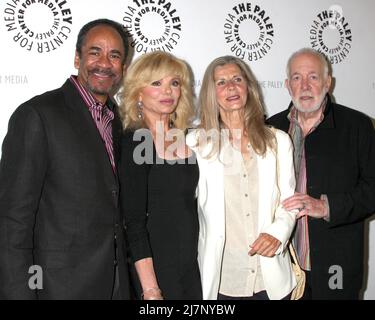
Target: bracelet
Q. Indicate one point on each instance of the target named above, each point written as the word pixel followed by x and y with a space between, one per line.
pixel 156 290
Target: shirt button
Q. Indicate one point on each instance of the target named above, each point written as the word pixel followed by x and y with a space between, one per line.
pixel 246 194
pixel 248 215
pixel 244 175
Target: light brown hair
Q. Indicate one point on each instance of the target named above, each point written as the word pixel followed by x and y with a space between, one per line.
pixel 260 136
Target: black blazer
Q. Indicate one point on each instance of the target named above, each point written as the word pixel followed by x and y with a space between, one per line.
pixel 59 202
pixel 340 162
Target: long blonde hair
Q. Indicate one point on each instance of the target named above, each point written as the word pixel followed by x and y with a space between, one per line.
pixel 146 69
pixel 260 136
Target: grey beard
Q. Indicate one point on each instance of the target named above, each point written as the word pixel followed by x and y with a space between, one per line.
pixel 315 107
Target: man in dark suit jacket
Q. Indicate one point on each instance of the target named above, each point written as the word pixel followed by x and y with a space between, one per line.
pixel 61 233
pixel 335 169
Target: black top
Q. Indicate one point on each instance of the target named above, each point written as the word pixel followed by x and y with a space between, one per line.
pixel 158 200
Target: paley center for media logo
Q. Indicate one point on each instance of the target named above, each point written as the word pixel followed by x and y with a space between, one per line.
pixel 249 32
pixel 152 25
pixel 330 34
pixel 38 26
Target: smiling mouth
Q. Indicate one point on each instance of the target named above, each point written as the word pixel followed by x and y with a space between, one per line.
pixel 232 98
pixel 167 101
pixel 102 73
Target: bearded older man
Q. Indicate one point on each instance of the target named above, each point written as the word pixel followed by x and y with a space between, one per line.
pixel 334 160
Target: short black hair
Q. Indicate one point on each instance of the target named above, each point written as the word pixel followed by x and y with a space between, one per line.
pixel 107 22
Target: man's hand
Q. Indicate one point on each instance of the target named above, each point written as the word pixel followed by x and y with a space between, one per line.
pixel 306 205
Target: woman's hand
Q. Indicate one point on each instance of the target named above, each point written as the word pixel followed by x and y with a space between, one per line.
pixel 152 294
pixel 266 245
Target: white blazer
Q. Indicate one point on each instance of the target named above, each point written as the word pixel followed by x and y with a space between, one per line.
pixel 276 182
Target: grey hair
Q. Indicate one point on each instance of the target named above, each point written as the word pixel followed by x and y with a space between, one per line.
pixel 322 58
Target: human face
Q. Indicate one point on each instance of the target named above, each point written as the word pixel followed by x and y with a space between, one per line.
pixel 231 87
pixel 308 84
pixel 160 97
pixel 100 67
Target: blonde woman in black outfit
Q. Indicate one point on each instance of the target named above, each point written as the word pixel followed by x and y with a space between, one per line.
pixel 159 176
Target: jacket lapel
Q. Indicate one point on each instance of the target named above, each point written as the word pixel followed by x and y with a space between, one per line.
pixel 116 136
pixel 88 131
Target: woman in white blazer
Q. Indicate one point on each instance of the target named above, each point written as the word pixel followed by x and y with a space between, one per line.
pixel 246 170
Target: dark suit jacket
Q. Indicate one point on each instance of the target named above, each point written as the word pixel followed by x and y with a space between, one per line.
pixel 59 202
pixel 340 162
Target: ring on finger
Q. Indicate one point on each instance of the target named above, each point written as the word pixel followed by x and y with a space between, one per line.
pixel 303 206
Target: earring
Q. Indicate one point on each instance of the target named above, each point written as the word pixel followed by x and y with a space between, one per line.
pixel 139 110
pixel 172 119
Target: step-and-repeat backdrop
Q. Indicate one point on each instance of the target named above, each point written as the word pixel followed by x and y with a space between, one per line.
pixel 38 41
